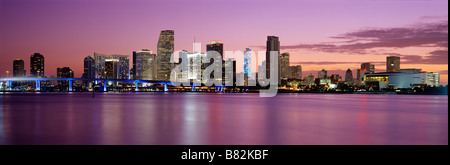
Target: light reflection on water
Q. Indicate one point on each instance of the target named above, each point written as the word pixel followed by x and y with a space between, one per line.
pixel 201 118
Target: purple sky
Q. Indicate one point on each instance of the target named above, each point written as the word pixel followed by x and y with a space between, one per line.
pixel 330 34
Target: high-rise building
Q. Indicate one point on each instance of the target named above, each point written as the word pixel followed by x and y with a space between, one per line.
pixel 322 74
pixel 392 64
pixel 368 67
pixel 215 45
pixel 348 75
pixel 112 66
pixel 165 51
pixel 272 44
pixel 248 63
pixel 295 72
pixel 433 79
pixel 37 65
pixel 19 68
pixel 230 63
pixel 89 68
pixel 64 72
pixel 284 66
pixel 144 65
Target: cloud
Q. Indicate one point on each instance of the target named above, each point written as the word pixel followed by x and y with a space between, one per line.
pixel 332 63
pixel 443 72
pixel 365 40
pixel 439 17
pixel 434 57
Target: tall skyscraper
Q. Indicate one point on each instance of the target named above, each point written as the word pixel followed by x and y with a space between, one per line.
pixel 112 66
pixel 392 64
pixel 37 65
pixel 165 51
pixel 144 65
pixel 284 66
pixel 89 67
pixel 433 79
pixel 322 74
pixel 272 44
pixel 216 45
pixel 19 68
pixel 247 63
pixel 368 67
pixel 348 75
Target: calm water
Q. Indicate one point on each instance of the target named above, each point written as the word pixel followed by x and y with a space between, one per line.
pixel 200 118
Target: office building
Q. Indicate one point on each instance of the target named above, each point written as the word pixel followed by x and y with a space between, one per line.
pixel 392 64
pixel 37 65
pixel 433 79
pixel 19 68
pixel 322 74
pixel 165 51
pixel 112 66
pixel 284 66
pixel 368 67
pixel 247 70
pixel 89 68
pixel 144 65
pixel 272 44
pixel 348 75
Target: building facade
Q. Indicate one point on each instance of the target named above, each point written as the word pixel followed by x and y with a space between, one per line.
pixel 144 65
pixel 112 66
pixel 165 51
pixel 272 44
pixel 19 68
pixel 37 65
pixel 89 68
pixel 392 64
pixel 433 79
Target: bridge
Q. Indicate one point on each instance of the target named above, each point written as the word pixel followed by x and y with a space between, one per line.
pixel 102 82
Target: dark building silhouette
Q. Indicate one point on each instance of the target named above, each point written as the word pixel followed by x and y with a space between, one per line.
pixel 273 44
pixel 64 72
pixel 37 65
pixel 392 64
pixel 19 68
pixel 348 75
pixel 89 67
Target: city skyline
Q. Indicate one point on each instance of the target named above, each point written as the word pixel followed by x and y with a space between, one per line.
pixel 345 45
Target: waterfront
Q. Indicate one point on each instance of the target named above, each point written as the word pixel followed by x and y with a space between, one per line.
pixel 220 118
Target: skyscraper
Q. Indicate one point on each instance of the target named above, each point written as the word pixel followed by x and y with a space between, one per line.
pixel 247 63
pixel 165 51
pixel 368 67
pixel 19 68
pixel 322 74
pixel 348 75
pixel 89 67
pixel 37 65
pixel 284 66
pixel 392 64
pixel 112 66
pixel 433 79
pixel 216 45
pixel 144 65
pixel 272 44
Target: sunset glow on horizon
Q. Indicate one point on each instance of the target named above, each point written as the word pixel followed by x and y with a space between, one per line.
pixel 331 35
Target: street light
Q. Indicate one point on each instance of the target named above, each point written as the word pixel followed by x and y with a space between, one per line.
pixel 7 74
